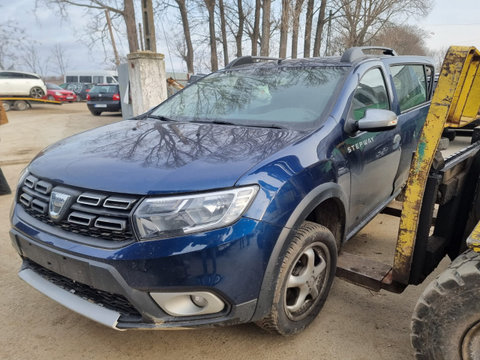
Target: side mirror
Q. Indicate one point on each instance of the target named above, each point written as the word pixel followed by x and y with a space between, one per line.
pixel 377 120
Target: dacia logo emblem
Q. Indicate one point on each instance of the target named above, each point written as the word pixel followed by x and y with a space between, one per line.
pixel 57 207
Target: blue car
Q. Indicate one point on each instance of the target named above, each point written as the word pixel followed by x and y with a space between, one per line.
pixel 230 201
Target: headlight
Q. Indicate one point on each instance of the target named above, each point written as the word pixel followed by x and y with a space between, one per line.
pixel 158 218
pixel 58 93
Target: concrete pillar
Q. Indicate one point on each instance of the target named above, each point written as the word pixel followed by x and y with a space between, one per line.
pixel 148 81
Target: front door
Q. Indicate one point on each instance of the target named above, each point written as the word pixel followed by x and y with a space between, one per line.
pixel 373 157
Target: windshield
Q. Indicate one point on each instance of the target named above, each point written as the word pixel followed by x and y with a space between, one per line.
pixel 262 96
pixel 104 89
pixel 53 87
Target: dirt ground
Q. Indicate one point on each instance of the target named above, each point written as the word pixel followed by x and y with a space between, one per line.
pixel 355 323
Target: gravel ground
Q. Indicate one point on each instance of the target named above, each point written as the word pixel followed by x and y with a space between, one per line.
pixel 355 323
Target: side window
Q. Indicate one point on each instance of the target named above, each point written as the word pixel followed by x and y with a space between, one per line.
pixel 370 93
pixel 71 79
pixel 430 76
pixel 28 76
pixel 411 85
pixel 97 79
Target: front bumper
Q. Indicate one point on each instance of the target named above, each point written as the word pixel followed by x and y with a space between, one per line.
pixel 228 262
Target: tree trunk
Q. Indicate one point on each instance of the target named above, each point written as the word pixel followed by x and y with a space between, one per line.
pixel 224 31
pixel 308 29
pixel 282 53
pixel 295 25
pixel 256 28
pixel 320 24
pixel 186 31
pixel 265 42
pixel 239 34
pixel 129 16
pixel 210 4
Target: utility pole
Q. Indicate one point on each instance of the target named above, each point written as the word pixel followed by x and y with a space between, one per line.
pixel 148 26
pixel 115 52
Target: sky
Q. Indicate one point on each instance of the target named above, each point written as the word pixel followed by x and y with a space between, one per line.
pixel 451 22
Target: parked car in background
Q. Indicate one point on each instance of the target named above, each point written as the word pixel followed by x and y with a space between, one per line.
pixel 104 97
pixel 55 92
pixel 81 89
pixel 19 83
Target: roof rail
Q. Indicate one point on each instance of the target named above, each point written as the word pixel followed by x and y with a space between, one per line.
pixel 242 60
pixel 355 53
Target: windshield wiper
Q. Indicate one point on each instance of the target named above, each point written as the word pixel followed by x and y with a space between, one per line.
pixel 218 122
pixel 159 117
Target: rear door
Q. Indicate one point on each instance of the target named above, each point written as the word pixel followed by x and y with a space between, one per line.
pixel 413 86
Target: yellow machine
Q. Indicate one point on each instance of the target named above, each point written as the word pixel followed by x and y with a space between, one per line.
pixel 440 216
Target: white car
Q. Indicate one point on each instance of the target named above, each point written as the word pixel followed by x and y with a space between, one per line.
pixel 20 83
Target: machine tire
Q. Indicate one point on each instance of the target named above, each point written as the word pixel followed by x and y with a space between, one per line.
pixel 446 319
pixel 7 105
pixel 37 92
pixel 20 105
pixel 308 267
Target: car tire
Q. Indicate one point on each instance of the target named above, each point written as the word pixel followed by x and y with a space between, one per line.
pixel 446 319
pixel 304 280
pixel 37 92
pixel 20 105
pixel 96 113
pixel 6 105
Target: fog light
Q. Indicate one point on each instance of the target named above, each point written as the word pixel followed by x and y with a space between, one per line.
pixel 198 300
pixel 189 304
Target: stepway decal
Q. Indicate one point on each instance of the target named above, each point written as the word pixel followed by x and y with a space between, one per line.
pixel 359 145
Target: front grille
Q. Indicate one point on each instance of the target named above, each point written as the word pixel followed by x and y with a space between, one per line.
pixel 97 215
pixel 110 301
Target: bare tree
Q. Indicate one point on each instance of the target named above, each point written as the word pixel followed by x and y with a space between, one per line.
pixel 308 29
pixel 11 38
pixel 186 32
pixel 223 30
pixel 405 39
pixel 266 25
pixel 210 5
pixel 123 8
pixel 32 60
pixel 241 22
pixel 284 21
pixel 256 28
pixel 362 20
pixel 320 25
pixel 60 58
pixel 295 24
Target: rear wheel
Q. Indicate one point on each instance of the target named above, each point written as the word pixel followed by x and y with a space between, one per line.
pixel 21 105
pixel 446 319
pixel 304 280
pixel 36 92
pixel 7 105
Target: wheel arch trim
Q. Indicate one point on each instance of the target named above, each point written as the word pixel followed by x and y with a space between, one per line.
pixel 313 199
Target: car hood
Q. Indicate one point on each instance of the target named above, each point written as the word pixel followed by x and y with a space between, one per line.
pixel 155 157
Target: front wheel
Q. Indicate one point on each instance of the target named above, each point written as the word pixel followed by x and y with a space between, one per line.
pixel 36 92
pixel 446 319
pixel 304 280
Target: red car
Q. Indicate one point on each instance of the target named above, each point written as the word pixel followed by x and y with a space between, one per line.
pixel 55 92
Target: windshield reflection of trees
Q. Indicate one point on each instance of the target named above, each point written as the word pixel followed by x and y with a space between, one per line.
pixel 160 144
pixel 234 94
